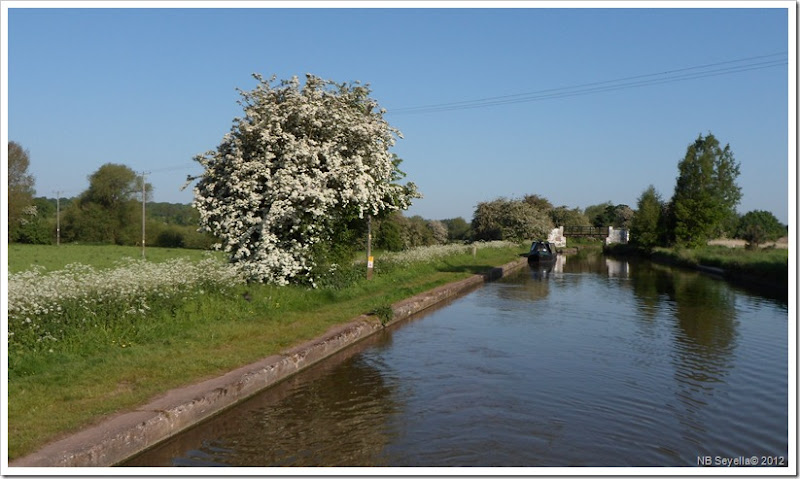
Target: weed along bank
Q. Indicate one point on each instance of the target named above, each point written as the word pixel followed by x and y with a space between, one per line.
pixel 124 434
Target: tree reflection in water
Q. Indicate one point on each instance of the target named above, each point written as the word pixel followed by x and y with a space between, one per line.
pixel 595 362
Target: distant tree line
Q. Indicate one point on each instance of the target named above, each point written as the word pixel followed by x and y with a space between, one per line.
pixel 703 204
pixel 533 217
pixel 702 207
pixel 109 211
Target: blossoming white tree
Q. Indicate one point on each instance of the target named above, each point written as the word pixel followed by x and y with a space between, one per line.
pixel 301 162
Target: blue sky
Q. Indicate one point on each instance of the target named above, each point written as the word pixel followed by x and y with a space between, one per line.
pixel 151 88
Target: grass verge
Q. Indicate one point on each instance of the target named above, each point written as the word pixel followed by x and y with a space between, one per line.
pixel 110 366
pixel 767 265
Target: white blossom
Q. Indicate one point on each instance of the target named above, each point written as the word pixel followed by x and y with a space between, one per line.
pixel 299 160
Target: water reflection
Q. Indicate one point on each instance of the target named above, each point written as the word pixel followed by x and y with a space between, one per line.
pixel 543 271
pixel 704 344
pixel 696 318
pixel 650 285
pixel 591 361
pixel 539 285
pixel 586 261
pixel 616 268
pixel 701 312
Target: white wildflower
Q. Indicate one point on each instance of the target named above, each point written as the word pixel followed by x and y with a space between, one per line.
pixel 36 300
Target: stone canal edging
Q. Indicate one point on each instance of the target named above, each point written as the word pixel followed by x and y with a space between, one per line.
pixel 126 434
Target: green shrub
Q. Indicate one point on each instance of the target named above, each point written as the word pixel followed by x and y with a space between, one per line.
pixel 34 232
pixel 389 235
pixel 170 238
pixel 339 277
pixel 193 239
pixel 385 313
pixel 759 226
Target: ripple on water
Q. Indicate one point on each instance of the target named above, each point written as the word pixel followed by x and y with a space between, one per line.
pixel 652 369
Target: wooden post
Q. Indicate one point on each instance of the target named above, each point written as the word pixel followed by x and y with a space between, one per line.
pixel 369 247
pixel 144 200
pixel 58 218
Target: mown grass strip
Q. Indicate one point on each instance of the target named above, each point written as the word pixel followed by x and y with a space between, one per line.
pixel 76 382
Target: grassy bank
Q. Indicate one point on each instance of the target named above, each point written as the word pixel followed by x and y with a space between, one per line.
pixel 769 266
pixel 76 357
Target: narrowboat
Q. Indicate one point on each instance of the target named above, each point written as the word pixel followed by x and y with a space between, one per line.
pixel 541 251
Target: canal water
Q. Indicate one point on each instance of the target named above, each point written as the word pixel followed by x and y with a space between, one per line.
pixel 589 362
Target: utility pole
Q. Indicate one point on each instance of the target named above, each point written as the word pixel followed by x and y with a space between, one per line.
pixel 369 247
pixel 58 218
pixel 144 201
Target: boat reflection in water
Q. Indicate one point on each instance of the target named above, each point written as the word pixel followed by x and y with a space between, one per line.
pixel 541 270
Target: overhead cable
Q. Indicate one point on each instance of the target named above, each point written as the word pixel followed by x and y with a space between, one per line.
pixel 682 74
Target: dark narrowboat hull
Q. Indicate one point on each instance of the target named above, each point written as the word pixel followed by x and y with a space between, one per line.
pixel 543 258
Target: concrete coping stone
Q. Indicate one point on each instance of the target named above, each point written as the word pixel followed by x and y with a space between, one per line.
pixel 126 434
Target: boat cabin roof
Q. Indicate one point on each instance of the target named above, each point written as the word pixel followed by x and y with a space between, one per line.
pixel 541 246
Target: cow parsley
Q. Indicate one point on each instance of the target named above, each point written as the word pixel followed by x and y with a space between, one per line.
pixel 46 306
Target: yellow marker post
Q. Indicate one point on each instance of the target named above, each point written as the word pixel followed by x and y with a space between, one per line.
pixel 369 247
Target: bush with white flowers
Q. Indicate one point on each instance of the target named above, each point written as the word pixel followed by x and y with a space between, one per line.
pixel 301 161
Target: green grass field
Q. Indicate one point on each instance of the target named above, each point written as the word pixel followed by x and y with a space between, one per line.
pixel 117 352
pixel 51 257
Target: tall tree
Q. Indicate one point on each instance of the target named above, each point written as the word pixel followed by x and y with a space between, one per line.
pixel 512 220
pixel 304 166
pixel 601 214
pixel 457 229
pixel 706 192
pixel 563 216
pixel 645 225
pixel 539 202
pixel 112 185
pixel 389 234
pixel 20 187
pixel 438 230
pixel 417 232
pixel 622 214
pixel 109 211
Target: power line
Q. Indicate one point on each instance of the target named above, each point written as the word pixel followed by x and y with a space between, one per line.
pixel 182 167
pixel 587 91
pixel 58 217
pixel 681 74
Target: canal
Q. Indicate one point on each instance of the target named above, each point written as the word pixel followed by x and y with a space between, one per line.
pixel 590 362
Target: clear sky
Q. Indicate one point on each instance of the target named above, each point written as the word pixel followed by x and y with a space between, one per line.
pixel 608 99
